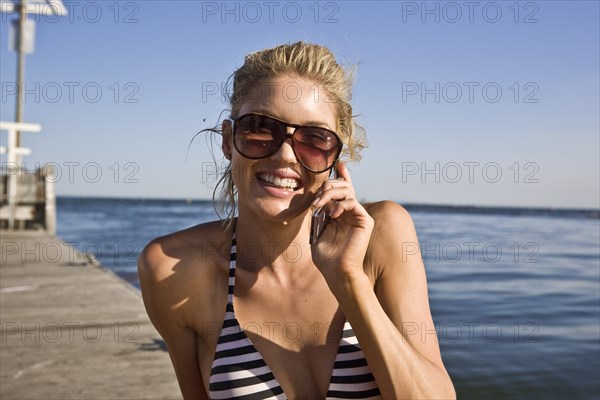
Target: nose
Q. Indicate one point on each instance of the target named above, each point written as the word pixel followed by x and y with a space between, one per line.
pixel 286 152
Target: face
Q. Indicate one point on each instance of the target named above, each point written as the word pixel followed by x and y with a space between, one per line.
pixel 278 187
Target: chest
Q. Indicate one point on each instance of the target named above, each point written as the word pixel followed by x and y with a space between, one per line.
pixel 248 364
pixel 239 370
pixel 295 332
pixel 288 337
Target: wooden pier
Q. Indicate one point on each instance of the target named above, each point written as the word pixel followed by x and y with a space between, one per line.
pixel 72 330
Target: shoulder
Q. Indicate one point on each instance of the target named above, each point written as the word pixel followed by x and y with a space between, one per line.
pixel 178 270
pixel 199 245
pixel 391 220
pixel 387 209
pixel 393 238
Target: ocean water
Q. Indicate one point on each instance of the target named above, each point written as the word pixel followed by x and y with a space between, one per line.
pixel 514 293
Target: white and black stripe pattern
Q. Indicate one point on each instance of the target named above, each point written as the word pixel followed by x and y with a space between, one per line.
pixel 239 372
pixel 351 377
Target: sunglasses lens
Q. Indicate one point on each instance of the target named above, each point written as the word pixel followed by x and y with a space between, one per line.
pixel 259 136
pixel 316 148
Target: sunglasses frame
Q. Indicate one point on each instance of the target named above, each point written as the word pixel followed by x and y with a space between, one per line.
pixel 289 135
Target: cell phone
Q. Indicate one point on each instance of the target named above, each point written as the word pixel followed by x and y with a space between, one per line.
pixel 320 218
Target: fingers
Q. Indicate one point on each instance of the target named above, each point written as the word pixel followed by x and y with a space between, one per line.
pixel 343 171
pixel 339 207
pixel 338 201
pixel 337 194
pixel 333 190
pixel 343 180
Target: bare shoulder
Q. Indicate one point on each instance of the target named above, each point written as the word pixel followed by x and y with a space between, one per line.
pixel 392 222
pixel 393 234
pixel 193 250
pixel 383 211
pixel 179 271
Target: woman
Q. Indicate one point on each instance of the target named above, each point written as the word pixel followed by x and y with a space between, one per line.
pixel 248 307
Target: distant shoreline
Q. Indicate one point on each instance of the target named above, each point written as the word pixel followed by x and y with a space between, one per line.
pixel 413 207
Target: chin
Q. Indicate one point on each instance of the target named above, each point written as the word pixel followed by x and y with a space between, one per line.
pixel 280 210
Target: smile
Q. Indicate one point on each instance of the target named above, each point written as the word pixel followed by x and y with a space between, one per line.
pixel 283 183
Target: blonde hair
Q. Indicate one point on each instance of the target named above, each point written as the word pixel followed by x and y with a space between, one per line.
pixel 305 60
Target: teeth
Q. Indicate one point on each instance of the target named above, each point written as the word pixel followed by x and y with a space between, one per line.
pixel 277 181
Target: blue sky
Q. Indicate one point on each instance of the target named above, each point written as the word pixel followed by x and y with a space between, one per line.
pixel 473 103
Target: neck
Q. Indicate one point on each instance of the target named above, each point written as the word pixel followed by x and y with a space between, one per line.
pixel 279 245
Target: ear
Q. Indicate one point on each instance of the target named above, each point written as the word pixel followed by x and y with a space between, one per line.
pixel 226 132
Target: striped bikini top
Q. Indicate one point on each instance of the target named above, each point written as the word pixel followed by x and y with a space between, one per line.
pixel 239 371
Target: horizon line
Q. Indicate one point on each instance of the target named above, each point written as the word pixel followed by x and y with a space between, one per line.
pixel 403 203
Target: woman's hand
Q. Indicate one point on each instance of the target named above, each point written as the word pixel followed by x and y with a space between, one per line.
pixel 340 251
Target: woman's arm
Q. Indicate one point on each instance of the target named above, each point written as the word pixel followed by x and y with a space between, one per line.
pixel 393 322
pixel 162 304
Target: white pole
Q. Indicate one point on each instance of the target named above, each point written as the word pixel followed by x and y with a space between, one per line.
pixel 49 176
pixel 12 171
pixel 20 66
